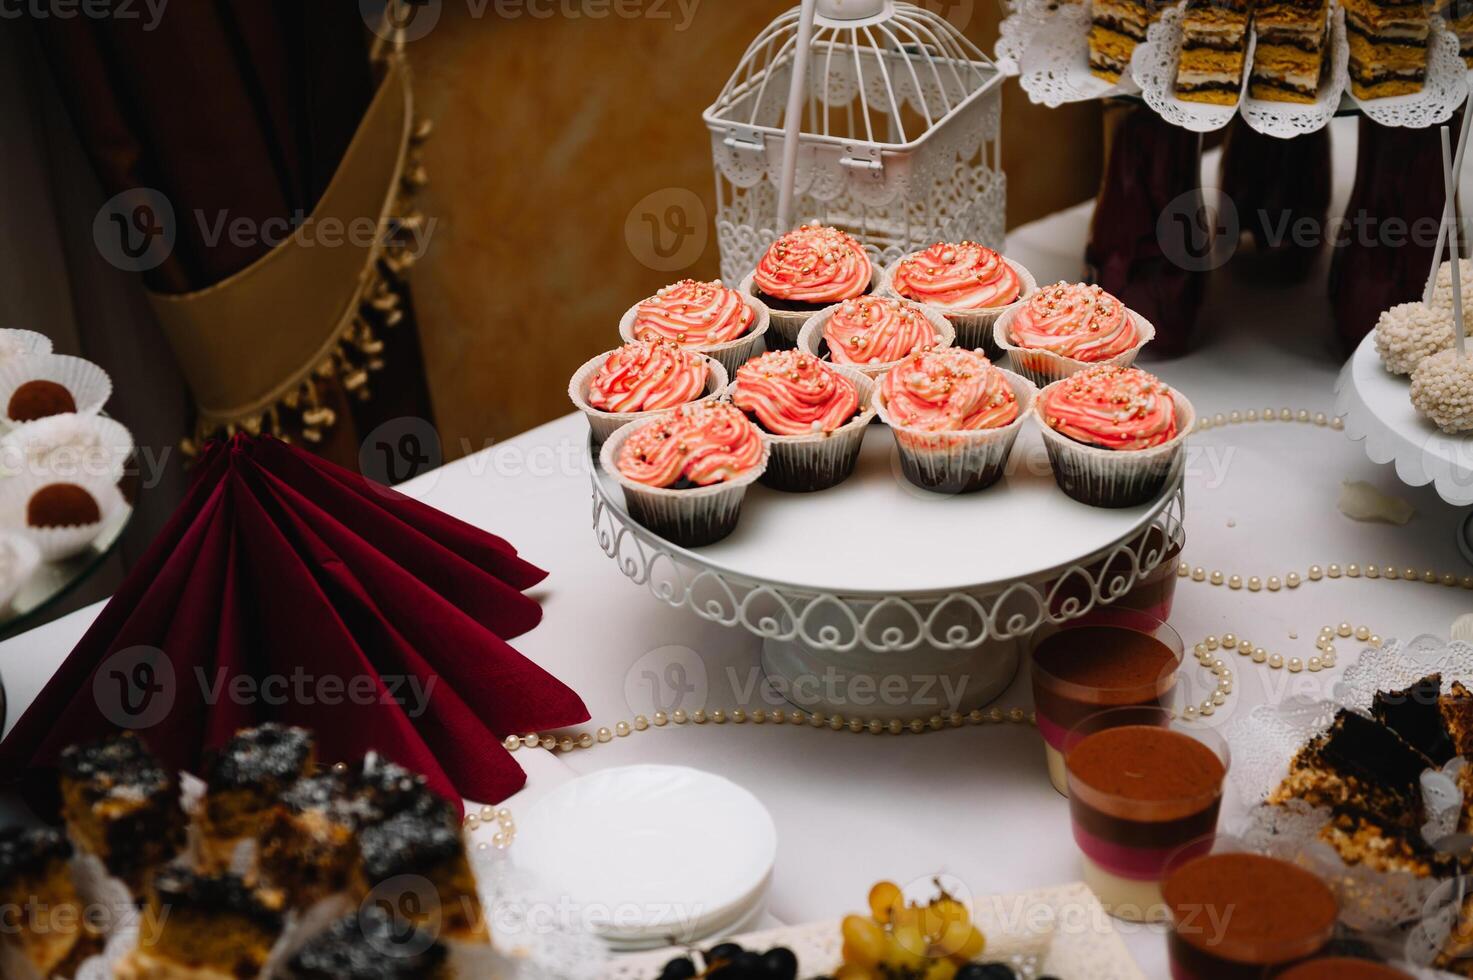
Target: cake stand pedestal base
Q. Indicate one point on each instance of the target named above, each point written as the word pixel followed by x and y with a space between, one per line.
pixel 889 685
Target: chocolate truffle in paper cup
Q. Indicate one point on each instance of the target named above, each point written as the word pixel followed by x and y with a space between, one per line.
pixel 42 385
pixel 684 473
pixel 1116 437
pixel 60 516
pixel 705 317
pixel 874 333
pixel 68 445
pixel 969 283
pixel 807 270
pixel 812 415
pixel 1064 328
pixel 955 417
pixel 640 380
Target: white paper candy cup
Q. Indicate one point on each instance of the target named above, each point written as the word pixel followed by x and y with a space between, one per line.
pixel 1115 477
pixel 818 461
pixel 788 324
pixel 973 327
pixel 1045 367
pixel 18 560
pixel 603 424
pixel 690 518
pixel 964 461
pixel 68 446
pixel 733 353
pixel 22 343
pixel 812 340
pixel 56 543
pixel 89 384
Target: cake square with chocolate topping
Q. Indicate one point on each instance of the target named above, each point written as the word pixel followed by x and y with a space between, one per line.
pixel 370 945
pixel 1214 46
pixel 1361 763
pixel 45 933
pixel 200 925
pixel 244 779
pixel 1456 707
pixel 121 806
pixel 416 847
pixel 1415 714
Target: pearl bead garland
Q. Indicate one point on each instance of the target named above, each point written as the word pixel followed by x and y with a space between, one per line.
pixel 1318 573
pixel 1206 654
pixel 506 828
pixel 1303 416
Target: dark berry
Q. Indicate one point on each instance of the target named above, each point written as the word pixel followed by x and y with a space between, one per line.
pixel 679 969
pixel 722 953
pixel 986 971
pixel 779 963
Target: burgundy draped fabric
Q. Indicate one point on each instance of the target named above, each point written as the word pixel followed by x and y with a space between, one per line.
pixel 1280 187
pixel 284 574
pixel 1152 166
pixel 1391 232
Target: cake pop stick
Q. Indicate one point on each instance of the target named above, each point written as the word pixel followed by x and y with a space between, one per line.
pixel 1442 231
pixel 1450 210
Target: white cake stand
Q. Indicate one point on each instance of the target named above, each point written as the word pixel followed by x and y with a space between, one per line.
pixel 1377 410
pixel 880 599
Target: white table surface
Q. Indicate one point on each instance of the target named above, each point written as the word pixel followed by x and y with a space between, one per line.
pixel 972 802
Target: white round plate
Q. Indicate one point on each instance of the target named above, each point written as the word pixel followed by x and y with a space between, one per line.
pixel 649 853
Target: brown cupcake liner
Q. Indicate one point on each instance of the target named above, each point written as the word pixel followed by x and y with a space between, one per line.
pixel 787 324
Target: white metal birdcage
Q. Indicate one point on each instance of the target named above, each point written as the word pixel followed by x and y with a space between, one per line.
pixel 898 132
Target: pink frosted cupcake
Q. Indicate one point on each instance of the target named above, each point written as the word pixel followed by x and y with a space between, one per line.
pixel 969 283
pixel 624 385
pixel 813 416
pixel 1115 436
pixel 1065 328
pixel 955 417
pixel 873 333
pixel 685 472
pixel 805 271
pixel 706 317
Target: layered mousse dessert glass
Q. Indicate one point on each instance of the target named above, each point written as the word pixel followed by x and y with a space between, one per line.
pixel 1236 914
pixel 1106 659
pixel 1143 786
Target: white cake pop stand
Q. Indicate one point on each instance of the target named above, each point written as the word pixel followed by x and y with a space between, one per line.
pixel 1377 410
pixel 875 597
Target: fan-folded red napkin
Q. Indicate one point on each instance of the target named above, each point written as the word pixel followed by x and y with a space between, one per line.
pixel 289 589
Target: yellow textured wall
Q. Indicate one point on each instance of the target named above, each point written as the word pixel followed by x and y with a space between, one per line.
pixel 550 133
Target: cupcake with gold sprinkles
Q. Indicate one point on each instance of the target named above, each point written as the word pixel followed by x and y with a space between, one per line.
pixel 705 317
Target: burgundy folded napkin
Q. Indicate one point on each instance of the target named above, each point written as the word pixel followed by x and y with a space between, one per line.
pixel 289 589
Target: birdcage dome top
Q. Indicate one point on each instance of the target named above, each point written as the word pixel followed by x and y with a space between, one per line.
pixel 881 72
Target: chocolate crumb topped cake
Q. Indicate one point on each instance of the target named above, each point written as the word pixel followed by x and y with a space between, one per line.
pixel 244 778
pixel 1388 46
pixel 424 847
pixel 34 872
pixel 1457 714
pixel 121 805
pixel 1289 59
pixel 1415 714
pixel 1360 763
pixel 371 945
pixel 1214 46
pixel 1362 838
pixel 199 924
pixel 1118 26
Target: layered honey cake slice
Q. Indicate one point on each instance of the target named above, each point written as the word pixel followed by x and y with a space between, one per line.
pixel 1214 45
pixel 1362 838
pixel 371 945
pixel 121 806
pixel 1289 58
pixel 1388 46
pixel 45 933
pixel 1362 764
pixel 244 778
pixel 1459 17
pixel 410 849
pixel 199 927
pixel 1117 27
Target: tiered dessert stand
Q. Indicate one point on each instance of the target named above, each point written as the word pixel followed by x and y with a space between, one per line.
pixel 1378 413
pixel 876 586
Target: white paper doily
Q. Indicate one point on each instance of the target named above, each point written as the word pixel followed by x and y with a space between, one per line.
pixel 1154 67
pixel 1062 932
pixel 1289 119
pixel 1445 89
pixel 1054 67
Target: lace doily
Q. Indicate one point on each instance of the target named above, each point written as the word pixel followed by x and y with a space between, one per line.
pixel 1060 932
pixel 1054 67
pixel 1154 67
pixel 1445 89
pixel 1289 119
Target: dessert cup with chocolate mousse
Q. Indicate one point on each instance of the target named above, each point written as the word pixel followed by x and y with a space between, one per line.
pixel 1064 328
pixel 1143 785
pixel 874 333
pixel 807 270
pixel 705 317
pixel 969 283
pixel 1107 659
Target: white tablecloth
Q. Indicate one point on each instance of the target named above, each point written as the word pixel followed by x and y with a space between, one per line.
pixel 973 802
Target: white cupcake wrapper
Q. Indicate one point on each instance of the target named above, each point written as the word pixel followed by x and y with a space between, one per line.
pixel 811 338
pixel 19 557
pixel 57 543
pixel 603 424
pixel 959 462
pixel 1116 477
pixel 733 353
pixel 89 384
pixel 689 518
pixel 1045 367
pixel 69 446
pixel 22 343
pixel 802 464
pixel 973 327
pixel 788 324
